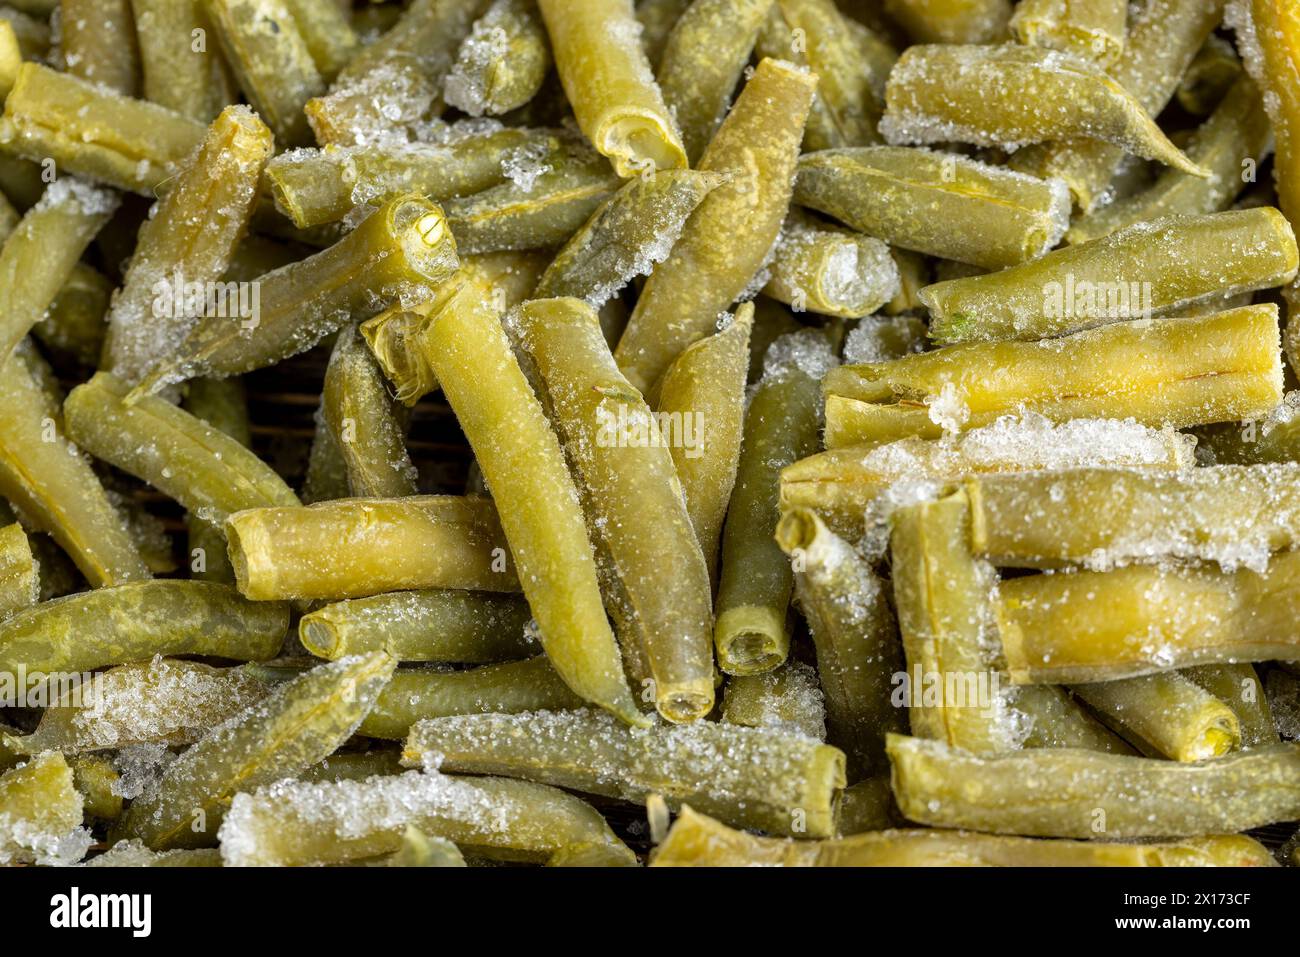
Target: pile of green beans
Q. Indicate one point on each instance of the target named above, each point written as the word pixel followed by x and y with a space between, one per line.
pixel 881 423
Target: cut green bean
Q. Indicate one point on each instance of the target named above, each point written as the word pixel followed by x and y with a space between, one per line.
pixel 74 324
pixel 221 404
pixel 94 132
pixel 46 477
pixel 952 21
pixel 31 29
pixel 699 841
pixel 843 484
pixel 20 581
pixel 657 19
pixel 202 468
pixel 180 71
pixel 139 620
pixel 97 42
pixel 135 854
pixel 1238 686
pixel 704 391
pixel 786 701
pixel 41 252
pixel 1165 715
pixel 855 634
pixel 784 784
pixel 1012 96
pixel 509 688
pixel 1234 138
pixel 186 246
pixel 502 63
pixel 757 145
pixel 627 236
pixel 11 58
pixel 1236 515
pixel 291 823
pixel 438 625
pixel 1090 29
pixel 781 425
pixel 1157 618
pixel 1192 371
pixel 635 512
pixel 41 814
pixel 941 204
pixel 327 32
pixel 830 271
pixel 301 723
pixel 358 411
pixel 354 766
pixel 542 517
pixel 353 548
pixel 420 850
pixel 1211 74
pixel 153 702
pixel 703 57
pixel 271 60
pixel 868 806
pixel 1086 794
pixel 396 254
pixel 99 784
pixel 610 85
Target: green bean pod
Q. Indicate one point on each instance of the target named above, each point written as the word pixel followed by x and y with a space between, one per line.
pixel 420 850
pixel 193 82
pixel 757 145
pixel 1192 371
pixel 704 390
pixel 95 132
pixel 436 625
pixel 292 823
pixel 781 783
pixel 135 854
pixel 20 581
pixel 627 236
pixel 327 32
pixel 699 841
pixel 74 324
pixel 502 63
pixel 1165 715
pixel 952 21
pixel 941 204
pixel 1157 618
pixel 1238 686
pixel 396 254
pixel 39 809
pixel 221 404
pixel 353 548
pixel 1086 794
pixel 100 786
pixel 1090 29
pixel 1211 74
pixel 786 701
pixel 634 508
pixel 855 635
pixel 781 425
pixel 832 272
pixel 299 724
pixel 162 701
pixel 97 42
pixel 509 688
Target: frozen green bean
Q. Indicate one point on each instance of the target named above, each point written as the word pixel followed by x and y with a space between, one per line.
pixel 299 724
pixel 396 254
pixel 1157 618
pixel 781 425
pixel 704 391
pixel 509 688
pixel 354 766
pixel 179 70
pixel 111 626
pixel 1165 715
pixel 542 516
pixel 356 547
pixel 186 246
pixel 830 271
pixel 627 236
pixel 74 324
pixel 293 823
pixel 205 470
pixel 1228 144
pixel 41 814
pixel 31 29
pixel 1213 71
pixel 360 414
pixel 1086 794
pixel 271 60
pixel 94 132
pixel 952 21
pixel 1090 29
pixel 437 625
pixel 100 787
pixel 327 32
pixel 20 582
pixel 657 19
pixel 1012 96
pixel 781 783
pixel 221 404
pixel 636 515
pixel 1238 686
pixel 11 58
pixel 787 700
pixel 758 145
pixel 941 204
pixel 867 806
pixel 699 841
pixel 420 850
pixel 1191 371
pixel 502 63
pixel 855 635
pixel 97 42
pixel 135 854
